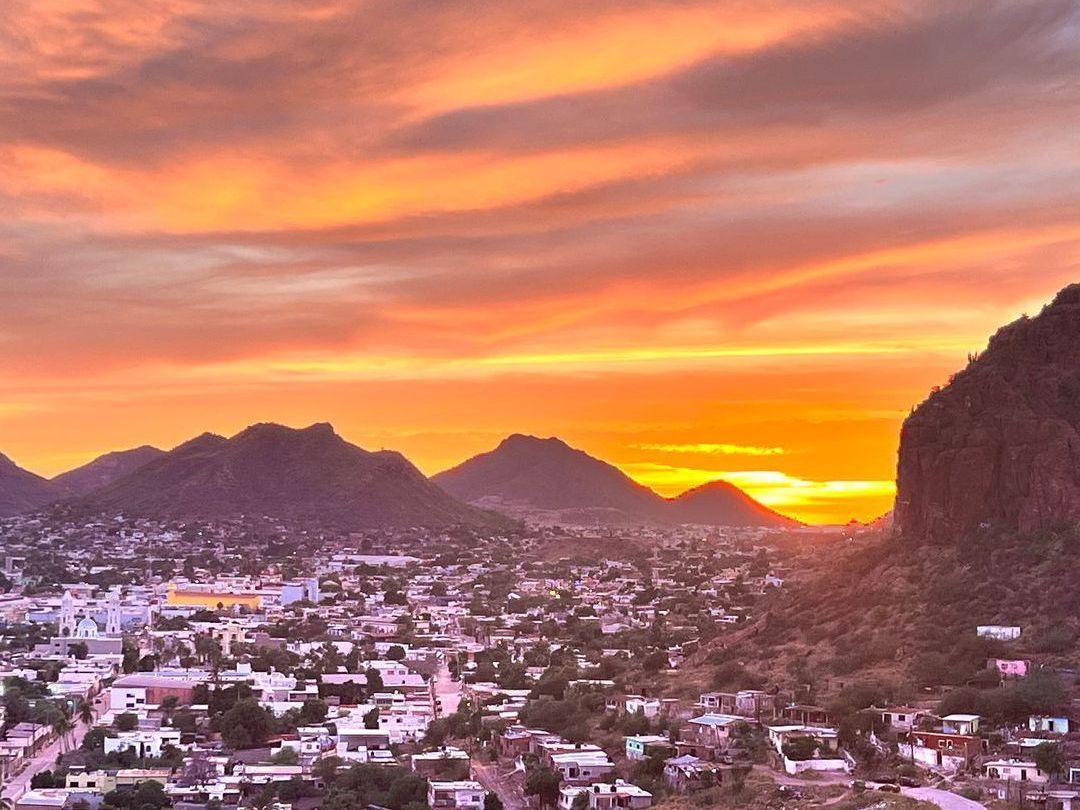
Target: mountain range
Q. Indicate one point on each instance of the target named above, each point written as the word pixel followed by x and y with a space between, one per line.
pixel 312 474
pixel 526 476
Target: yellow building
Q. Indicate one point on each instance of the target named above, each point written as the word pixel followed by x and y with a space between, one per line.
pixel 212 599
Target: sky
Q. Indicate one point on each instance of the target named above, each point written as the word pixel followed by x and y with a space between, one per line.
pixel 732 240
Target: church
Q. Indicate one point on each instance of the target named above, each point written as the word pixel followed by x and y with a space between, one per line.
pixel 85 630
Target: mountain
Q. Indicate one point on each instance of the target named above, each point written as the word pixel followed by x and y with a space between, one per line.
pixel 105 469
pixel 998 449
pixel 546 479
pixel 986 531
pixel 720 503
pixel 305 475
pixel 22 491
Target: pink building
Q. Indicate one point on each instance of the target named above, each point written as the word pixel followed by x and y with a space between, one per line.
pixel 1008 668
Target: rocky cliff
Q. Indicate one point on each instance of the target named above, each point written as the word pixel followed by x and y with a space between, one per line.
pixel 998 448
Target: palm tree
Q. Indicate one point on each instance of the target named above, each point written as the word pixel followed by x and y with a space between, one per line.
pixel 85 712
pixel 62 727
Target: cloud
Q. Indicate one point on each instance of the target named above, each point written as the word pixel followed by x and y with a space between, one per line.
pixel 708 448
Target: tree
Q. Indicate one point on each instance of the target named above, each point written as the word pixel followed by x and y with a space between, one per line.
pixel 245 725
pixel 62 727
pixel 492 802
pixel 581 801
pixel 85 712
pixel 544 784
pixel 326 769
pixel 395 653
pixel 1049 759
pixel 801 748
pixel 285 756
pixel 371 719
pixel 313 711
pixel 127 721
pixel 78 650
pixel 374 681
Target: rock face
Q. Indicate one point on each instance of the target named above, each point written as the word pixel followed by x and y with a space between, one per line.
pixel 998 449
pixel 105 469
pixel 547 480
pixel 22 491
pixel 310 475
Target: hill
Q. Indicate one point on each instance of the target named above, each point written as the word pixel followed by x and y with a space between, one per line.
pixel 105 469
pixel 998 449
pixel 720 503
pixel 310 475
pixel 23 491
pixel 546 479
pixel 987 514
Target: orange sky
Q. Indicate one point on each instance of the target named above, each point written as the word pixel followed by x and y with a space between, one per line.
pixel 700 240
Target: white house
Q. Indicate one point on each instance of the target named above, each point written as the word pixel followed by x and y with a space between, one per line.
pixel 466 795
pixel 1014 770
pixel 999 632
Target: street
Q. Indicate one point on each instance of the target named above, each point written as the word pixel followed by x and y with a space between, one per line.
pixel 46 759
pixel 942 798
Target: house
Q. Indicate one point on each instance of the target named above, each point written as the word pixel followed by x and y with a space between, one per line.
pixel 805 715
pixel 447 763
pixel 145 689
pixel 620 794
pixel 464 795
pixel 582 766
pixel 686 774
pixel 949 752
pixel 901 718
pixel 998 632
pixel 144 744
pixel 1008 668
pixel 964 724
pixel 827 738
pixel 1014 770
pixel 642 746
pixel 1052 725
pixel 752 703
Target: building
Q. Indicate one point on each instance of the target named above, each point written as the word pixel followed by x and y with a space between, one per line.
pixel 642 746
pixel 752 703
pixel 465 795
pixel 619 794
pixel 1014 770
pixel 950 752
pixel 999 632
pixel 209 598
pixel 1050 725
pixel 141 690
pixel 965 724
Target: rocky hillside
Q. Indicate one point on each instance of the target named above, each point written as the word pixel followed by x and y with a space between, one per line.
pixel 21 490
pixel 547 479
pixel 998 449
pixel 310 475
pixel 105 469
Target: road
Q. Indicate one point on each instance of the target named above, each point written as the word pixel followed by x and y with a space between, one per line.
pixel 942 798
pixel 46 759
pixel 505 785
pixel 447 691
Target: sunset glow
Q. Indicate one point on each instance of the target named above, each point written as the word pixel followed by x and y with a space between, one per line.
pixel 698 240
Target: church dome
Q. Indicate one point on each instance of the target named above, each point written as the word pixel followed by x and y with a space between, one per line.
pixel 87 628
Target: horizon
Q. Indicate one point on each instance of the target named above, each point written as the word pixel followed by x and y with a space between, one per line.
pixel 698 243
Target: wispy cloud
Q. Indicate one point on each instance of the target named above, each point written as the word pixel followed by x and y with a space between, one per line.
pixel 707 448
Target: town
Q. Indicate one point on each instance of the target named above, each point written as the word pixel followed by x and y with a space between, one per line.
pixel 244 664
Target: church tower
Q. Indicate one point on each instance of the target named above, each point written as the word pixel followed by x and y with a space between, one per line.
pixel 67 614
pixel 112 614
